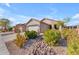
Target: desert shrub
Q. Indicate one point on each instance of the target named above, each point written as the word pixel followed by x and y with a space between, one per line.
pixel 73 43
pixel 20 40
pixel 51 37
pixel 65 32
pixel 72 40
pixel 31 34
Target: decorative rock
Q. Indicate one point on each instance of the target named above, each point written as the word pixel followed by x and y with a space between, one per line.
pixel 38 47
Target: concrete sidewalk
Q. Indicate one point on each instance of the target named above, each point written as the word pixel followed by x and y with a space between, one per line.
pixel 3 48
pixel 5 37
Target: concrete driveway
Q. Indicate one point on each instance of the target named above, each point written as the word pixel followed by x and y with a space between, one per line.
pixel 5 37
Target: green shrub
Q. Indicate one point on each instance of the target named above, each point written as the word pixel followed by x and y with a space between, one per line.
pixel 73 43
pixel 51 37
pixel 31 34
pixel 27 33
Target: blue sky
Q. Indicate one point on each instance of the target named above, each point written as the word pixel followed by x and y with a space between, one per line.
pixel 22 12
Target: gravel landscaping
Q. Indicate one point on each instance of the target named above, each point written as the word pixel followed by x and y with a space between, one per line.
pixel 35 47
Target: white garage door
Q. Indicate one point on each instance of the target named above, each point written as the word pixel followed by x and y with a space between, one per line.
pixel 35 28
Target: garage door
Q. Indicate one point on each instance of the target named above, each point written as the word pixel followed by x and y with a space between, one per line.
pixel 35 28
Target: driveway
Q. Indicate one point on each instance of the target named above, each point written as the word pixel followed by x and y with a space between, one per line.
pixel 3 48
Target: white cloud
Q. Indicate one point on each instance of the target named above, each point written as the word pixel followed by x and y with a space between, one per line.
pixel 21 16
pixel 23 19
pixel 2 12
pixel 7 4
pixel 76 16
pixel 16 19
pixel 74 20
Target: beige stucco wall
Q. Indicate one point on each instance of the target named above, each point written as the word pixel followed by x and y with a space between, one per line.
pixel 43 27
pixel 50 22
pixel 33 22
pixel 22 28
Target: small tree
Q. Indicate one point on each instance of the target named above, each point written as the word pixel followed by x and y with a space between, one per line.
pixel 67 19
pixel 5 23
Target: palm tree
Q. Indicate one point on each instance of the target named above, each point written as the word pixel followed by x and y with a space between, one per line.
pixel 67 19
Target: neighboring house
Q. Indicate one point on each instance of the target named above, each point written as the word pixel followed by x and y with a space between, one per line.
pixel 37 26
pixel 19 28
pixel 3 28
pixel 76 27
pixel 4 25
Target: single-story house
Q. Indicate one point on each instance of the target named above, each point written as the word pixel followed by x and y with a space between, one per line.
pixel 19 28
pixel 40 26
pixel 3 28
pixel 37 26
